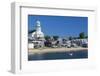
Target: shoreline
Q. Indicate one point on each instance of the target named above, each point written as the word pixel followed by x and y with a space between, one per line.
pixel 48 50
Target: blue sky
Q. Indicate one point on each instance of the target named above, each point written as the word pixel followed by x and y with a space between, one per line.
pixel 59 25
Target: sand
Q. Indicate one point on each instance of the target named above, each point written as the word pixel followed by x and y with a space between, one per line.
pixel 46 50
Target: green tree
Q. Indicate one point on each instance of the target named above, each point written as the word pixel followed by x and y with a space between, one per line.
pixel 86 36
pixel 70 38
pixel 31 31
pixel 47 37
pixel 55 37
pixel 82 35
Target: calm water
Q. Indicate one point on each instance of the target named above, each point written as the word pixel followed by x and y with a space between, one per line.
pixel 59 55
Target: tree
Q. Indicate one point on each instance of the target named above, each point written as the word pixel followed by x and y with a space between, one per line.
pixel 31 31
pixel 86 36
pixel 55 37
pixel 70 38
pixel 47 37
pixel 82 35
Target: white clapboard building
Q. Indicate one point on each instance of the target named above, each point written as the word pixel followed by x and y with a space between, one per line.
pixel 36 38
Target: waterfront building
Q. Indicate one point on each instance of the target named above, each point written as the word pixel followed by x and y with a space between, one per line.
pixel 36 38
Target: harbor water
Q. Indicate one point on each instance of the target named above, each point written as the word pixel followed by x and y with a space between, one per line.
pixel 80 54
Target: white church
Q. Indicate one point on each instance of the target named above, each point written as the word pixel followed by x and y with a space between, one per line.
pixel 36 37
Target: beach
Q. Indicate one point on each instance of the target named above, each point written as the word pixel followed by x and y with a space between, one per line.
pixel 48 50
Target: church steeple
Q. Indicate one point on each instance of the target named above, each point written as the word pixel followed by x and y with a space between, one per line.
pixel 38 26
pixel 38 23
pixel 38 33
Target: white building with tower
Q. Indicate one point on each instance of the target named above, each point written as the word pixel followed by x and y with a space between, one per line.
pixel 38 34
pixel 36 37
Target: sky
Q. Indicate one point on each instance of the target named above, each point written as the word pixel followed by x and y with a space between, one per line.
pixel 59 25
